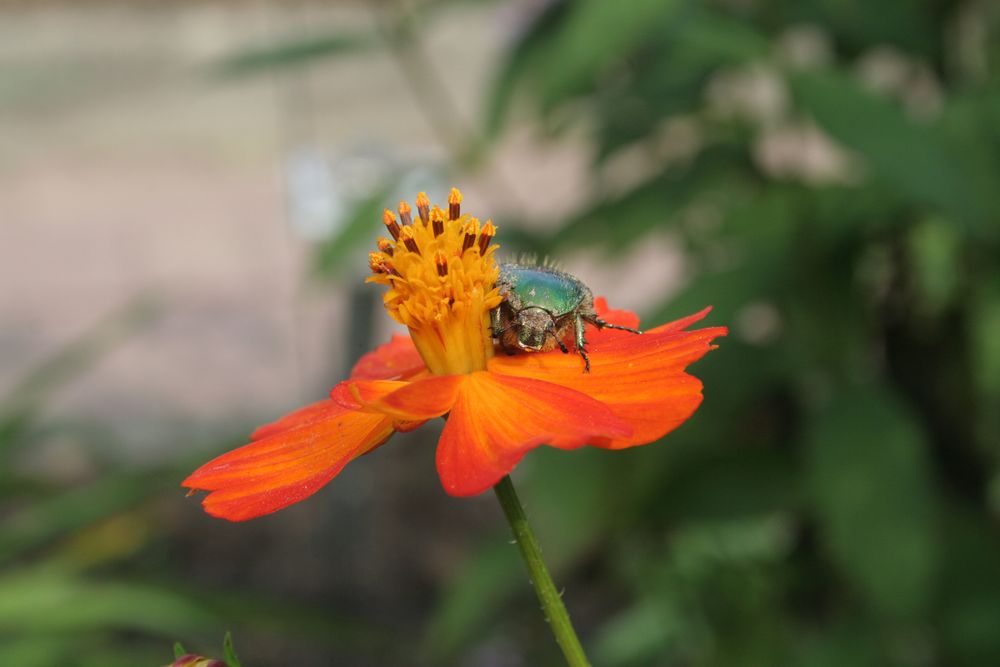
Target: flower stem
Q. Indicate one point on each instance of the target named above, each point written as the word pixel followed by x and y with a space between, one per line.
pixel 552 604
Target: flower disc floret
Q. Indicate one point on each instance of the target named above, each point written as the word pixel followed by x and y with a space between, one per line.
pixel 441 274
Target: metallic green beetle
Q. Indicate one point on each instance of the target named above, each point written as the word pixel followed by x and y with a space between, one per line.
pixel 543 307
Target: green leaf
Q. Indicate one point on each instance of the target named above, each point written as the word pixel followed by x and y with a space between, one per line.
pixel 595 35
pixel 617 223
pixel 179 650
pixel 470 599
pixel 638 634
pixel 229 653
pixel 521 59
pixel 916 160
pixel 57 514
pixel 47 600
pixel 296 51
pixel 868 471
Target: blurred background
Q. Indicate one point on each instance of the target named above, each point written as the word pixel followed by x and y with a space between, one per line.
pixel 188 191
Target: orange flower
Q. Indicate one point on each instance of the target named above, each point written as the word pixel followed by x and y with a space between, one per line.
pixel 442 277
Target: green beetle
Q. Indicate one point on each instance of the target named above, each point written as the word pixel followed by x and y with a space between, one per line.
pixel 542 307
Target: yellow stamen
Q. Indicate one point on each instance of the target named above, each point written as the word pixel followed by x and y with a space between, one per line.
pixel 486 235
pixel 442 286
pixel 437 221
pixel 407 237
pixel 454 204
pixel 384 245
pixel 389 220
pixel 471 230
pixel 404 213
pixel 423 207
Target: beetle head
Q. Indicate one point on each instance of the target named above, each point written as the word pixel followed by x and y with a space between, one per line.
pixel 534 326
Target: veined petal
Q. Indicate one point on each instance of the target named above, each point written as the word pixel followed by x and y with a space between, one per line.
pixel 496 418
pixel 288 464
pixel 419 400
pixel 640 377
pixel 396 359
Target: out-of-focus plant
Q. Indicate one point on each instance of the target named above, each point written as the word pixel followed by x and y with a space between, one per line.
pixel 55 607
pixel 184 659
pixel 829 169
pixel 90 572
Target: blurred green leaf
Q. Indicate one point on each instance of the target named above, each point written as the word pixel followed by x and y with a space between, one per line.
pixel 57 514
pixel 915 159
pixel 595 35
pixel 869 473
pixel 229 653
pixel 970 606
pixel 469 600
pixel 839 644
pixel 616 223
pixel 637 635
pixel 934 248
pixel 296 51
pixel 520 60
pixel 179 650
pixel 47 600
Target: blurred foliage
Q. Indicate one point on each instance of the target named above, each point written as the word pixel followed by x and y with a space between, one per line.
pixel 93 569
pixel 829 168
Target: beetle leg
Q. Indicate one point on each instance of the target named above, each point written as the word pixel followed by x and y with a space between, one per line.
pixel 601 324
pixel 495 323
pixel 581 343
pixel 552 331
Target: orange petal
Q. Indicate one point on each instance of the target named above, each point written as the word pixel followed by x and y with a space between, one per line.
pixel 419 400
pixel 394 360
pixel 497 418
pixel 640 377
pixel 289 464
pixel 361 394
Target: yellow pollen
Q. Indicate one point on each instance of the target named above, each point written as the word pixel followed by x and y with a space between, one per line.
pixel 441 284
pixel 377 262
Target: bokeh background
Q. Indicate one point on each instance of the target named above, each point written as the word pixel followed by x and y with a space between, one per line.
pixel 188 191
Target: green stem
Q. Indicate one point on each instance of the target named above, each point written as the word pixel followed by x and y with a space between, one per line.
pixel 552 604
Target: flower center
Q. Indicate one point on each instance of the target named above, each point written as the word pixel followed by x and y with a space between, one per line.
pixel 442 279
